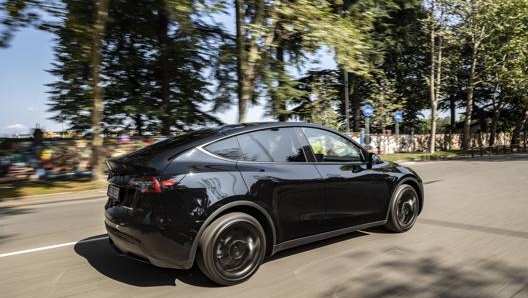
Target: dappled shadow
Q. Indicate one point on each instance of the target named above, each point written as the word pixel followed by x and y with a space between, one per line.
pixel 316 245
pixel 476 228
pixel 101 257
pixel 401 272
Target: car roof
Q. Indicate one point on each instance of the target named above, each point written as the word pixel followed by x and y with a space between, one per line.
pixel 231 129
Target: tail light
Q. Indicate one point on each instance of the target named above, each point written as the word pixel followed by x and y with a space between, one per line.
pixel 153 184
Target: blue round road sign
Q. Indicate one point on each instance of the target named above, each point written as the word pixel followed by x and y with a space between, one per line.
pixel 398 116
pixel 367 110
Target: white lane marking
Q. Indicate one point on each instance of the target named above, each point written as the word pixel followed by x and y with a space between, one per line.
pixel 26 251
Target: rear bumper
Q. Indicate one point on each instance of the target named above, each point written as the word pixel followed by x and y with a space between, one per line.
pixel 149 245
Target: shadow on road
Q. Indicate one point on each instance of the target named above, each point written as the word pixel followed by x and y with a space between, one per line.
pixel 476 228
pixel 401 272
pixel 101 257
pixel 8 210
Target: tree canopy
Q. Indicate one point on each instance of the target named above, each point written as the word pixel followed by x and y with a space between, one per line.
pixel 170 65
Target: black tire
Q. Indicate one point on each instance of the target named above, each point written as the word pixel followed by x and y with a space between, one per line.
pixel 404 209
pixel 232 248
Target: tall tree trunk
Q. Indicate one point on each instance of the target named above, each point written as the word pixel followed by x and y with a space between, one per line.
pixel 163 63
pixel 496 101
pixel 356 102
pixel 279 103
pixel 347 101
pixel 452 122
pixel 469 98
pixel 495 119
pixel 452 111
pixel 98 107
pixel 432 82
pixel 248 54
pixel 241 61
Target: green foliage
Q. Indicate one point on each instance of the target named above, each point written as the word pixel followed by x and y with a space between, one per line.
pixel 383 99
pixel 318 104
pixel 144 53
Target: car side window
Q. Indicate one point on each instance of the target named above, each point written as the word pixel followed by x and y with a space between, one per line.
pixel 330 147
pixel 271 145
pixel 227 148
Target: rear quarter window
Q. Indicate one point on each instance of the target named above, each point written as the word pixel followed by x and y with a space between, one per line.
pixel 227 148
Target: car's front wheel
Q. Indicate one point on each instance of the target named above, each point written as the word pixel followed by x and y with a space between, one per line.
pixel 232 248
pixel 404 209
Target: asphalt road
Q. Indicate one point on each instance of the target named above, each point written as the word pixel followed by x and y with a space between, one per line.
pixel 470 241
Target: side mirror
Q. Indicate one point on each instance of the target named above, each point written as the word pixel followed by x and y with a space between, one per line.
pixel 373 158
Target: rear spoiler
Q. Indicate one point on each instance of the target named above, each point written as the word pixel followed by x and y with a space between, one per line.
pixel 117 168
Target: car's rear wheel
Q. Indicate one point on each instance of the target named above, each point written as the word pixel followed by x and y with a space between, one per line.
pixel 404 209
pixel 232 248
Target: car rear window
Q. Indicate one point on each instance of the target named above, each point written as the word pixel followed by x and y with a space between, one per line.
pixel 173 143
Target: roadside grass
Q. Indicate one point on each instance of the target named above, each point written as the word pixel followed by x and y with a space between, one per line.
pixel 419 156
pixel 29 188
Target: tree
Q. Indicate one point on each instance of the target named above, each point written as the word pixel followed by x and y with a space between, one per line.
pixel 263 27
pixel 476 22
pixel 71 97
pixel 507 59
pixel 318 103
pixel 382 98
pixel 98 32
pixel 437 26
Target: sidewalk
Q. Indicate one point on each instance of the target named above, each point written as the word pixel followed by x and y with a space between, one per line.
pixel 53 198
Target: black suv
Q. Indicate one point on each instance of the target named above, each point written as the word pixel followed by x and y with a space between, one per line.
pixel 232 195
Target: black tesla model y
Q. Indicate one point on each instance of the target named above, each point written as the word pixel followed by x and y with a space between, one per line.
pixel 231 196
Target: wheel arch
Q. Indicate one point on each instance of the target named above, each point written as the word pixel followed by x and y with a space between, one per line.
pixel 256 211
pixel 414 183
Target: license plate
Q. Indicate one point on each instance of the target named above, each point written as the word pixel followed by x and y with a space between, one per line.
pixel 113 191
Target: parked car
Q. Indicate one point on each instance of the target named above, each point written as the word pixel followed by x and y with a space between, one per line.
pixel 231 196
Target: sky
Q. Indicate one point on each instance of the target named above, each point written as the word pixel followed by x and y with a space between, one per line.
pixel 23 90
pixel 22 83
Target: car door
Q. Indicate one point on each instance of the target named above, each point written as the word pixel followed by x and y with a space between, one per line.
pixel 275 170
pixel 354 193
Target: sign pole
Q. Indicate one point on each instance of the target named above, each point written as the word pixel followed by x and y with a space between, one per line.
pixel 397 131
pixel 367 131
pixel 368 111
pixel 398 117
